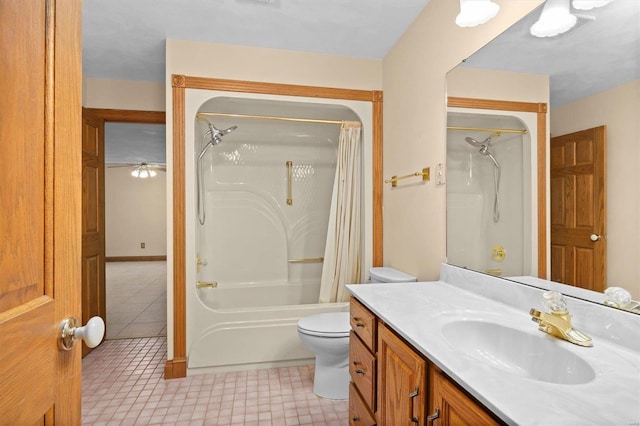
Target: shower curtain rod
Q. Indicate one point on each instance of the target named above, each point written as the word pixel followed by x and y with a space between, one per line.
pixel 485 129
pixel 268 117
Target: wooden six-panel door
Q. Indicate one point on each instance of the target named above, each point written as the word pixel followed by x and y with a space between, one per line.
pixel 93 229
pixel 578 209
pixel 40 209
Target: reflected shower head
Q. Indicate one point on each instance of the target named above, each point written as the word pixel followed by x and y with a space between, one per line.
pixel 484 148
pixel 484 144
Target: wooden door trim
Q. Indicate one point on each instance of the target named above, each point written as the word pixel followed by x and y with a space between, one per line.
pixel 67 196
pixel 176 367
pixel 100 116
pixel 127 115
pixel 541 110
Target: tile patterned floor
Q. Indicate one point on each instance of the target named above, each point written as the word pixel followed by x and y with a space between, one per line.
pixel 136 299
pixel 123 385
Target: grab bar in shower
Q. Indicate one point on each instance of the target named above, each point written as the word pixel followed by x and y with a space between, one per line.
pixel 289 173
pixel 307 260
pixel 205 284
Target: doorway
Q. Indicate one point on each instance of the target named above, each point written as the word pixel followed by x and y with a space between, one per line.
pixel 134 283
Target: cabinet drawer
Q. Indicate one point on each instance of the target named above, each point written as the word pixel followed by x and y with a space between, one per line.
pixel 359 414
pixel 362 367
pixel 363 322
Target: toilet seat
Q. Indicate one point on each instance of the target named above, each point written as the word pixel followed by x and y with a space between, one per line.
pixel 332 324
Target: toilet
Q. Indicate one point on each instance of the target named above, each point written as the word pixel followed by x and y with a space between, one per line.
pixel 327 335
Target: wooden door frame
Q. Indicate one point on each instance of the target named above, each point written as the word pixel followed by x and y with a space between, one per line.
pixel 177 367
pixel 541 110
pixel 102 116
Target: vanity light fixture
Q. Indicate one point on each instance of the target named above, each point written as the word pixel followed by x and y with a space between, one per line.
pixel 476 12
pixel 143 171
pixel 555 19
pixel 589 4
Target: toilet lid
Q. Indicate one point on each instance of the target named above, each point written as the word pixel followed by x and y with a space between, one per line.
pixel 332 324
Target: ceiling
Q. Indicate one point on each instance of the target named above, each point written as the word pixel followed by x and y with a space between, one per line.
pixel 125 40
pixel 596 55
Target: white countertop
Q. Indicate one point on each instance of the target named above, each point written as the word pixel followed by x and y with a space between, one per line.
pixel 417 311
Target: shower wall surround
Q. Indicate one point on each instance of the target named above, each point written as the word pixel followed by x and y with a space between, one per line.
pixel 484 233
pixel 261 245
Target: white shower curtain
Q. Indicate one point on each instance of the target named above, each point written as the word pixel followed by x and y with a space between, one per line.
pixel 342 255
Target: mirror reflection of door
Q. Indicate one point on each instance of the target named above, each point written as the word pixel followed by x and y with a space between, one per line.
pixel 578 208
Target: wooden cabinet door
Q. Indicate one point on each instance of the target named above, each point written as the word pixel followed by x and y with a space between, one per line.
pixel 451 406
pixel 40 209
pixel 578 209
pixel 402 382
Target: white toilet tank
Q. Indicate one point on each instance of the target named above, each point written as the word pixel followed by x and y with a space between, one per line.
pixel 385 274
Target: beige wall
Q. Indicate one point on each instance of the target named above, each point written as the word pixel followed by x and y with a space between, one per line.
pixel 135 212
pixel 619 110
pixel 123 94
pixel 414 84
pixel 497 85
pixel 270 65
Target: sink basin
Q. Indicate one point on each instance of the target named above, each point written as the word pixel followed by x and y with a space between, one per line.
pixel 519 353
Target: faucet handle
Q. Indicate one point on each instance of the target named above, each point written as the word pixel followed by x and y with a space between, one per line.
pixel 554 301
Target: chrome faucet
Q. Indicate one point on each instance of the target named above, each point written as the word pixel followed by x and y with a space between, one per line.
pixel 558 322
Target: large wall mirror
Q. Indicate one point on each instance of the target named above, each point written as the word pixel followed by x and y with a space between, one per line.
pixel 590 78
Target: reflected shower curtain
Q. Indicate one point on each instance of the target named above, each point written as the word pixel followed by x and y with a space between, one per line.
pixel 342 256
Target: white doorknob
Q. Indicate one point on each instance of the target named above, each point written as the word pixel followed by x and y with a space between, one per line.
pixel 595 237
pixel 92 333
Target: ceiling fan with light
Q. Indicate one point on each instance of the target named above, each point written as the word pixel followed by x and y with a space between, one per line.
pixel 143 170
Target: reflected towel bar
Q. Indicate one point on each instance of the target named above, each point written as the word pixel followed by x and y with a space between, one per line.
pixel 306 260
pixel 425 173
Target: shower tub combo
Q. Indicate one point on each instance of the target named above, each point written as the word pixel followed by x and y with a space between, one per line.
pixel 490 188
pixel 262 200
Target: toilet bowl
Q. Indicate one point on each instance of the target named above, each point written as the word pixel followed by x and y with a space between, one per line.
pixel 327 335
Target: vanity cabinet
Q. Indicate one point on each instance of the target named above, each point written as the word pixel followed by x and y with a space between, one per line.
pixel 402 386
pixel 451 406
pixel 362 365
pixel 393 384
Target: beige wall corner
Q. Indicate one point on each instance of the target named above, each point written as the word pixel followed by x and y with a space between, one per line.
pixel 619 110
pixel 123 94
pixel 414 84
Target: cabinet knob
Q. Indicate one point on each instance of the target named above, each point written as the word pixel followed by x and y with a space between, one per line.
pixel 360 371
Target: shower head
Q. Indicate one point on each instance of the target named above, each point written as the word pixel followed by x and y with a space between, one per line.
pixel 216 137
pixel 217 134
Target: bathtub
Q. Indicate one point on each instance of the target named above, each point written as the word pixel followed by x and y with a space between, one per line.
pixel 250 325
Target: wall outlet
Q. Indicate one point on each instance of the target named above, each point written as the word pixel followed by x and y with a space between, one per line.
pixel 141 245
